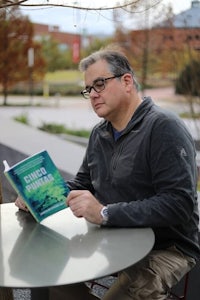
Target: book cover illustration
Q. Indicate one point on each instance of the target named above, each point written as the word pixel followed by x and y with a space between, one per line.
pixel 39 183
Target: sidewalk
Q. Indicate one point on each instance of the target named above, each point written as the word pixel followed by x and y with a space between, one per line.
pixel 72 112
pixel 77 113
pixel 17 141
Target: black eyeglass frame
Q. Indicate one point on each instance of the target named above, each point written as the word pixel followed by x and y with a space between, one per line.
pixel 86 92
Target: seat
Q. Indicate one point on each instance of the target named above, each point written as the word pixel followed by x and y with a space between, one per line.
pixel 174 296
pixel 5 293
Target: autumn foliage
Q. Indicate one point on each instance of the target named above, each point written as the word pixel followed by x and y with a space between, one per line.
pixel 16 35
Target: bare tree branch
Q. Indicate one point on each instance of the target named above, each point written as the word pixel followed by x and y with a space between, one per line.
pixel 4 4
pixel 126 3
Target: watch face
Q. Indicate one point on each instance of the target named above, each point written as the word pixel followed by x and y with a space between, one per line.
pixel 104 213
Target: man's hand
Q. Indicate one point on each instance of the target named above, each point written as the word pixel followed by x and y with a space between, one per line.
pixel 84 204
pixel 20 203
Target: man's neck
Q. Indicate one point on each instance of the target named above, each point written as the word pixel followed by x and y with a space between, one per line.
pixel 122 121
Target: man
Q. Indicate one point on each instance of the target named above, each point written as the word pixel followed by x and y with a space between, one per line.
pixel 138 171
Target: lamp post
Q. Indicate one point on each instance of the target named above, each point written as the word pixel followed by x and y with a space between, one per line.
pixel 30 66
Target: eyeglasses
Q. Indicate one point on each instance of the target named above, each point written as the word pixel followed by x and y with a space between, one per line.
pixel 98 85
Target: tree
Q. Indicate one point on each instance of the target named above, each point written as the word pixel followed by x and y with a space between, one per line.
pixel 188 81
pixel 187 84
pixel 138 44
pixel 95 44
pixel 16 35
pixel 54 56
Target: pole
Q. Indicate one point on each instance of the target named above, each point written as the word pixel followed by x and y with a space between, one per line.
pixel 30 66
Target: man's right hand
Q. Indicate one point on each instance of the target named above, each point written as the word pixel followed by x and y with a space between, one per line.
pixel 20 203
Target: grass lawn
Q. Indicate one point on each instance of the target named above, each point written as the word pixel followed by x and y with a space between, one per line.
pixel 64 76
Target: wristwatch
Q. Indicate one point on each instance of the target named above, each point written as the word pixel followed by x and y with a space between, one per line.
pixel 104 214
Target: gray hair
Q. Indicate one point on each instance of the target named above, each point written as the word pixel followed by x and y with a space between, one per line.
pixel 117 63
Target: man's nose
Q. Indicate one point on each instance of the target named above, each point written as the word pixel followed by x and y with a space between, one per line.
pixel 93 93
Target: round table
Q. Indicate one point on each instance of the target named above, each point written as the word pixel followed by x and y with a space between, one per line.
pixel 63 249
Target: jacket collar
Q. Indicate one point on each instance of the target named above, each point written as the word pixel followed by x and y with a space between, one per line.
pixel 106 129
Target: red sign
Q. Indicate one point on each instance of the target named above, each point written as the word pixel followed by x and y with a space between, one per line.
pixel 76 51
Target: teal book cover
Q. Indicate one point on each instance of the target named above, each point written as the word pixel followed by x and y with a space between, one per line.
pixel 39 183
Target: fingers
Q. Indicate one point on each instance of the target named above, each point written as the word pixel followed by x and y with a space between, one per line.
pixel 20 204
pixel 75 194
pixel 84 204
pixel 75 201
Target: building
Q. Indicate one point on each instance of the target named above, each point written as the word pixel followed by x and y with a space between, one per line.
pixel 184 28
pixel 189 18
pixel 163 45
pixel 179 31
pixel 65 40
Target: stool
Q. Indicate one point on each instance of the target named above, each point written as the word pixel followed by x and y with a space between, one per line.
pixel 185 289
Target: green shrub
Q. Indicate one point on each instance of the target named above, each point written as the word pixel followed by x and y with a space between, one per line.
pixel 23 118
pixel 64 89
pixel 59 128
pixel 188 80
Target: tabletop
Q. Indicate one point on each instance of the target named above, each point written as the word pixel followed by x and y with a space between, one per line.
pixel 63 249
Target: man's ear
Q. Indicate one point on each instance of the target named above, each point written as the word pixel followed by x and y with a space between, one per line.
pixel 127 80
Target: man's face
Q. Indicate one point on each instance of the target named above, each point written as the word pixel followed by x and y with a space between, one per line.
pixel 110 100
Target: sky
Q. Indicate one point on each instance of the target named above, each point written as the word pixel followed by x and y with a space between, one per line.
pixel 86 21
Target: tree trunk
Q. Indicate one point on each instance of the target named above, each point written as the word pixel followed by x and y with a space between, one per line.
pixel 5 94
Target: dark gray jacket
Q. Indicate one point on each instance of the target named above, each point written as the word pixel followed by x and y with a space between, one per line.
pixel 147 177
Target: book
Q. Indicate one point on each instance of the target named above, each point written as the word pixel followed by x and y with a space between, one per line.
pixel 37 180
